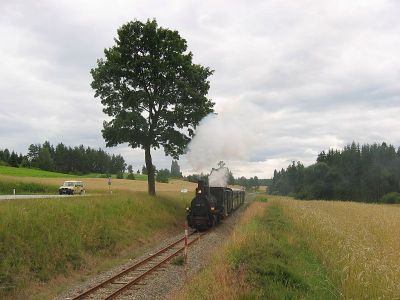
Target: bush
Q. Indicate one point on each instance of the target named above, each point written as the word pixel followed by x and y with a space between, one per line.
pixel 3 163
pixel 120 175
pixel 163 176
pixel 130 176
pixel 391 198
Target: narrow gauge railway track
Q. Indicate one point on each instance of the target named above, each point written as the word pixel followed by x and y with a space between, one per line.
pixel 133 275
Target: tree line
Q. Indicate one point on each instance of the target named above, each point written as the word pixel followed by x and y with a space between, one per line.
pixel 11 158
pixel 65 159
pixel 360 173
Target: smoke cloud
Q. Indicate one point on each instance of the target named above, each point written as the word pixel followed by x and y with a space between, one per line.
pixel 218 177
pixel 223 137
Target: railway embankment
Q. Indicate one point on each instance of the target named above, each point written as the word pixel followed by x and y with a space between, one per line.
pixel 46 245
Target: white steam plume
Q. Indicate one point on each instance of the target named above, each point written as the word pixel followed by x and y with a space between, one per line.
pixel 218 177
pixel 223 137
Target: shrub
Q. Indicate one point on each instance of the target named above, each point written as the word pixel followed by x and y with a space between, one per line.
pixel 178 260
pixel 130 176
pixel 391 198
pixel 120 175
pixel 3 163
pixel 163 175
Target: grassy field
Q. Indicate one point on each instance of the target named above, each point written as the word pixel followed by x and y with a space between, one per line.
pixel 48 238
pixel 100 185
pixel 263 259
pixel 358 243
pixel 27 172
pixel 291 249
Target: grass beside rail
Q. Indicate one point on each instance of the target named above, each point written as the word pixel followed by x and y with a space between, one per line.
pixel 49 237
pixel 263 259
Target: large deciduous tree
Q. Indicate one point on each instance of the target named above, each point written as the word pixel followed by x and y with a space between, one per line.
pixel 152 91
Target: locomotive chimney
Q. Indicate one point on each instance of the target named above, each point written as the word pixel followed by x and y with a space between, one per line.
pixel 201 184
pixel 202 187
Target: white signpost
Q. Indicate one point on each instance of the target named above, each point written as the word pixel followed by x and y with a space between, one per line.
pixel 183 192
pixel 109 184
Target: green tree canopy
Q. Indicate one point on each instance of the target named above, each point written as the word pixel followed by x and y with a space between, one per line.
pixel 152 91
pixel 359 173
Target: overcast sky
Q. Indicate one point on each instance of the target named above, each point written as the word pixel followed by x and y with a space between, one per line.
pixel 303 76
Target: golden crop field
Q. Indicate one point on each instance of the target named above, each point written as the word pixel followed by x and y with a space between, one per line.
pixel 358 243
pixel 101 184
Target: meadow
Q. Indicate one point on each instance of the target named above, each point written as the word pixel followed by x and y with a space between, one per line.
pixel 29 172
pixel 26 172
pixel 291 249
pixel 95 185
pixel 44 240
pixel 32 181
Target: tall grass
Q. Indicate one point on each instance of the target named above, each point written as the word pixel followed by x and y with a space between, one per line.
pixel 7 187
pixel 358 243
pixel 262 259
pixel 43 238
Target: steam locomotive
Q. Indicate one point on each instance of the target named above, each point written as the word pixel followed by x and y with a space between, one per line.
pixel 212 204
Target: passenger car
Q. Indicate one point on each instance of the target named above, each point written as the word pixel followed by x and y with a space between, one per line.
pixel 71 187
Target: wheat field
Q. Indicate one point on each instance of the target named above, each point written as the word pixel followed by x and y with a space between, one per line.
pixel 358 243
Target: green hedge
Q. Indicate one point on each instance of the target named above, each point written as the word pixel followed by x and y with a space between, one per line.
pixel 391 198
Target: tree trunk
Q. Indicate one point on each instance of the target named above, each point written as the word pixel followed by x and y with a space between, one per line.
pixel 150 172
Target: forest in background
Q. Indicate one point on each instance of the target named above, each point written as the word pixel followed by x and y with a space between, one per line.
pixel 84 160
pixel 367 173
pixel 65 159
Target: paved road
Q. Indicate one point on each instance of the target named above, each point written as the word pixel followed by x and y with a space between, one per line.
pixel 16 197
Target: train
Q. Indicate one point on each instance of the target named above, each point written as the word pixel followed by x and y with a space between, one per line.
pixel 212 204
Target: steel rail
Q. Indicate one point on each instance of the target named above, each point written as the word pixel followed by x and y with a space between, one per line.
pixel 130 269
pixel 132 282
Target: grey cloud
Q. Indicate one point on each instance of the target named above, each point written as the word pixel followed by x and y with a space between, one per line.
pixel 316 74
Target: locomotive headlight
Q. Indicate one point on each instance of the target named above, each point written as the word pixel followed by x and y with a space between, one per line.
pixel 212 208
pixel 187 208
